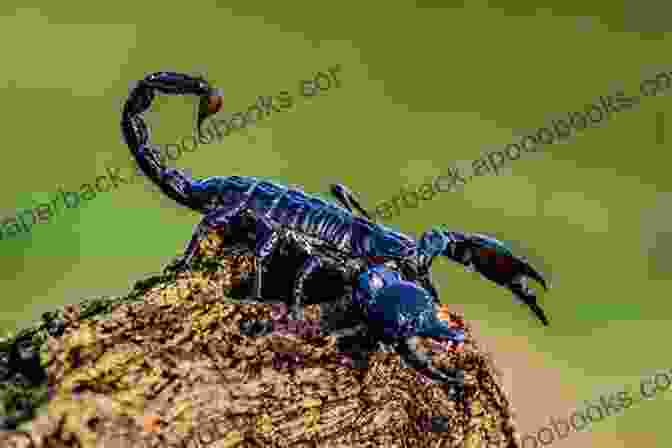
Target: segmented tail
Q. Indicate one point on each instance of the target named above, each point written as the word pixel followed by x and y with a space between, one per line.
pixel 173 182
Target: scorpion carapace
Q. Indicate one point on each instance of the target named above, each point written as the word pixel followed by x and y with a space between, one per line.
pixel 330 235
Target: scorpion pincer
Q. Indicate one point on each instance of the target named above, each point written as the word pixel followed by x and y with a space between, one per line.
pixel 391 275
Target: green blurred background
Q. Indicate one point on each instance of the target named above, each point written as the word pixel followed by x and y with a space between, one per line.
pixel 424 85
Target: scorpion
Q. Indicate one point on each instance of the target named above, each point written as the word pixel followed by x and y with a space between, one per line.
pixel 389 271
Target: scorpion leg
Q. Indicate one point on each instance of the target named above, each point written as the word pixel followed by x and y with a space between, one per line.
pixel 348 332
pixel 215 220
pixel 309 266
pixel 312 264
pixel 453 377
pixel 267 241
pixel 355 344
pixel 518 286
pixel 347 198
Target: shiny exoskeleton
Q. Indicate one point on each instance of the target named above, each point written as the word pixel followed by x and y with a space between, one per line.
pixel 321 227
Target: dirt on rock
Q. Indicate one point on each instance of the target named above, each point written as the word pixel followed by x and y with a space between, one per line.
pixel 173 369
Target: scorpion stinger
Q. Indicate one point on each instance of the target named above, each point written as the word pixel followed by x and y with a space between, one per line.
pixel 487 256
pixel 208 105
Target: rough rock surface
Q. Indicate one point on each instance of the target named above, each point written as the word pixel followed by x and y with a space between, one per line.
pixel 171 368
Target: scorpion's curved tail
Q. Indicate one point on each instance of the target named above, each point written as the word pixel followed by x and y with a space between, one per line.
pixel 173 182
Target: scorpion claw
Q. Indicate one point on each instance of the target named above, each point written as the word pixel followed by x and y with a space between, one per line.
pixel 536 309
pixel 520 290
pixel 496 262
pixel 532 273
pixel 518 286
pixel 489 257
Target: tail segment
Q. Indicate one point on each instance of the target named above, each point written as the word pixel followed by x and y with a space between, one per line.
pixel 174 183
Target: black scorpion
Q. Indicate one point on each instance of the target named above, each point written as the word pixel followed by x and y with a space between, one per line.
pixel 375 253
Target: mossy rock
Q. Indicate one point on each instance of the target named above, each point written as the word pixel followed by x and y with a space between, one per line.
pixel 167 364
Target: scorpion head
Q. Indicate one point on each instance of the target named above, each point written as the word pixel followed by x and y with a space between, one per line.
pixel 396 312
pixel 398 309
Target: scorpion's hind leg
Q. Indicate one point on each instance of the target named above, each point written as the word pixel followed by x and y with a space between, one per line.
pixel 267 240
pixel 212 221
pixel 347 198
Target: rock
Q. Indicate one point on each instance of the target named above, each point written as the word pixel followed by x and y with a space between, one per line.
pixel 182 362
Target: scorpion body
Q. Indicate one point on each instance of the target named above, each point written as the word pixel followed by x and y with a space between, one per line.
pixel 388 270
